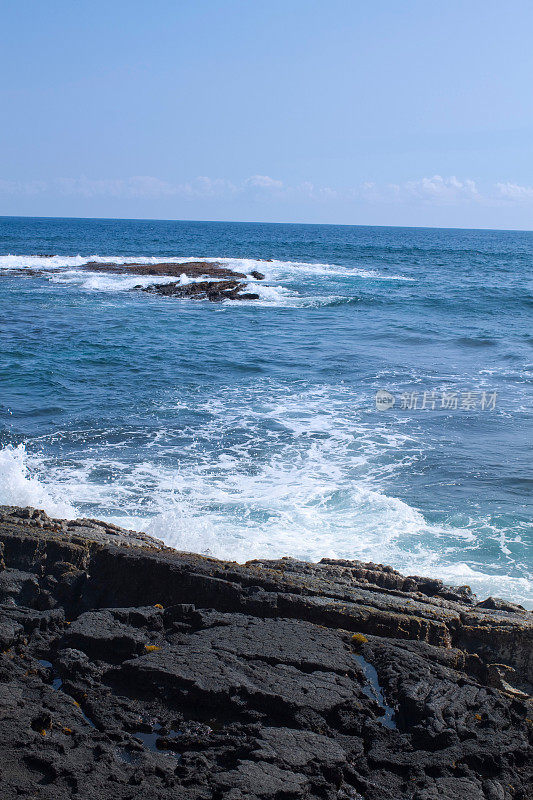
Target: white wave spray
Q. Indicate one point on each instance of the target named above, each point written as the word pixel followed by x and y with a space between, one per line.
pixel 304 480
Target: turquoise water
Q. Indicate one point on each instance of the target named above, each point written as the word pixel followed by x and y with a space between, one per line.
pixel 251 429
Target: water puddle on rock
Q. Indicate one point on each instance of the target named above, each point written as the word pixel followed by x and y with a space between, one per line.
pixel 155 740
pixel 374 691
pixel 57 684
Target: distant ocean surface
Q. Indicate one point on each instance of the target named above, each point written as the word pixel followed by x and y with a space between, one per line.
pixel 250 429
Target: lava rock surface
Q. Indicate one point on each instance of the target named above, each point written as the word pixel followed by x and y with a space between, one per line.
pixel 224 283
pixel 192 269
pixel 129 670
pixel 215 291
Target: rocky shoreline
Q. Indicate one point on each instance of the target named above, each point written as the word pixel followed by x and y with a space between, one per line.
pixel 131 670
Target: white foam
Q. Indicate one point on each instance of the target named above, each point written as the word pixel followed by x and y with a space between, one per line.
pixel 277 269
pixel 272 291
pixel 273 270
pixel 64 262
pixel 297 510
pixel 41 262
pixel 520 590
pixel 306 479
pixel 271 295
pixel 20 488
pixel 109 282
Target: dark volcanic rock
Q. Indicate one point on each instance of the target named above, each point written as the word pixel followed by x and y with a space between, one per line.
pixel 18 272
pixel 215 291
pixel 129 670
pixel 192 269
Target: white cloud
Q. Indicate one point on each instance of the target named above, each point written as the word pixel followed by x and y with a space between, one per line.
pixel 442 189
pixel 263 182
pixel 317 193
pixel 22 187
pixel 143 186
pixel 515 192
pixel 206 187
pixel 434 191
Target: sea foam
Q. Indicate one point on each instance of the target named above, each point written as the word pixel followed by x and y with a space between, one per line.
pixel 306 479
pixel 20 487
pixel 276 290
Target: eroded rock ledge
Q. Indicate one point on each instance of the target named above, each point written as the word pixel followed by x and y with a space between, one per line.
pixel 129 670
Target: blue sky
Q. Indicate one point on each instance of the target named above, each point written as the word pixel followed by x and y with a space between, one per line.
pixel 399 112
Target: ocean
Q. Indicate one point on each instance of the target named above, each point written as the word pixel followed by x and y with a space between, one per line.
pixel 250 428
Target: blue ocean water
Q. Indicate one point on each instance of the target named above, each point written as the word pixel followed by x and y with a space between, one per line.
pixel 250 428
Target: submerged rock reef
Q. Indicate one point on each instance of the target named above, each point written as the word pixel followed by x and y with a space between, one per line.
pixel 129 670
pixel 214 290
pixel 223 283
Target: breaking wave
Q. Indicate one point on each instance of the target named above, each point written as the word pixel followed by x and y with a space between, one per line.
pixel 287 284
pixel 304 478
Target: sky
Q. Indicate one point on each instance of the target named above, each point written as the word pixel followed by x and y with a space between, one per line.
pixel 391 112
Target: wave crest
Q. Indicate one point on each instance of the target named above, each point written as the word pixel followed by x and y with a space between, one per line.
pixel 18 487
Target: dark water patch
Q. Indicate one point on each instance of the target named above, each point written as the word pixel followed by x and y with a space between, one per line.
pixel 149 740
pixel 87 719
pixel 374 691
pixel 476 341
pixel 57 684
pixel 158 741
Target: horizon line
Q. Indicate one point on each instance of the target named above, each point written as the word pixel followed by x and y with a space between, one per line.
pixel 256 222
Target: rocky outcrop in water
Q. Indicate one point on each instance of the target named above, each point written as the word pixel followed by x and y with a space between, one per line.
pixel 130 670
pixel 215 291
pixel 193 269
